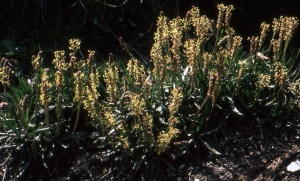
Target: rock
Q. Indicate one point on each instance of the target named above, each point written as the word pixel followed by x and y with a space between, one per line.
pixel 294 166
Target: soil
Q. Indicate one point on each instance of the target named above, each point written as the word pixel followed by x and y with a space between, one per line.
pixel 261 155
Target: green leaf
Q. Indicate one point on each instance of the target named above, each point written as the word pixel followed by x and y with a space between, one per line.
pixel 233 107
pixel 180 152
pixel 137 165
pixel 271 102
pixel 211 131
pixel 3 137
pixel 41 130
pixel 167 163
pixel 210 147
pixel 64 145
pixel 8 124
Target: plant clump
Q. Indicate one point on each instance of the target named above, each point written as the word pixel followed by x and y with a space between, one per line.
pixel 199 77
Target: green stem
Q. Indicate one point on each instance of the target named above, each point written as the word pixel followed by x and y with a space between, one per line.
pixel 77 117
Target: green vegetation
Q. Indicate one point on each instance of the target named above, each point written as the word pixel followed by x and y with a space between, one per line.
pixel 199 77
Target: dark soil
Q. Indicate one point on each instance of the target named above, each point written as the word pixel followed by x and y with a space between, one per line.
pixel 256 156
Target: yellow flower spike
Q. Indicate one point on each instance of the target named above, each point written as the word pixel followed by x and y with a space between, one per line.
pixel 59 79
pixel 136 72
pixel 94 77
pixel 59 60
pixel 263 81
pixel 264 29
pixel 37 61
pixel 91 58
pixel 91 55
pixel 281 76
pixel 237 41
pixel 186 22
pixel 108 121
pixel 201 24
pixel 161 41
pixel 192 51
pixel 44 88
pixel 176 26
pixel 295 87
pixel 91 101
pixel 221 16
pixel 275 26
pixel 111 78
pixel 79 85
pixel 3 76
pixel 176 99
pixel 194 14
pixel 276 49
pixel 207 57
pixel 215 92
pixel 147 128
pixel 230 33
pixel 45 98
pixel 74 44
pixel 79 94
pixel 240 74
pixel 203 28
pixel 137 104
pixel 165 138
pixel 162 34
pixel 228 15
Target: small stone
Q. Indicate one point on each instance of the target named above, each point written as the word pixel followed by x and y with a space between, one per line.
pixel 294 166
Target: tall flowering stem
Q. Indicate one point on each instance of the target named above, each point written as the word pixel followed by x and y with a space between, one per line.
pixel 192 52
pixel 111 78
pixel 37 64
pixel 160 54
pixel 79 94
pixel 45 94
pixel 91 103
pixel 61 67
pixel 165 138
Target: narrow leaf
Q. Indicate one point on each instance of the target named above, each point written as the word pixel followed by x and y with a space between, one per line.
pixel 233 107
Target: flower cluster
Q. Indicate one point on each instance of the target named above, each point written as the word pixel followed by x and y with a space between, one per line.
pixel 263 81
pixel 201 24
pixel 5 72
pixel 37 61
pixel 74 44
pixel 240 74
pixel 159 58
pixel 176 26
pixel 224 15
pixel 281 76
pixel 137 104
pixel 264 29
pixel 111 78
pixel 91 101
pixel 207 57
pixel 79 86
pixel 192 51
pixel 165 138
pixel 60 66
pixel 136 72
pixel 44 88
